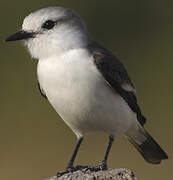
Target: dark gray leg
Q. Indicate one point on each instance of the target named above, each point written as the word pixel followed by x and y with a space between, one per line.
pixel 104 162
pixel 70 167
pixel 70 164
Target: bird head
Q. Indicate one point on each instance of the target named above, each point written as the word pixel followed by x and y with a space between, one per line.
pixel 51 31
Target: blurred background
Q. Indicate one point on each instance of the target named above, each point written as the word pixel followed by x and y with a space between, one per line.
pixel 34 141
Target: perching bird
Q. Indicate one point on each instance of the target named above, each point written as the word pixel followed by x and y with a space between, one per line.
pixel 84 82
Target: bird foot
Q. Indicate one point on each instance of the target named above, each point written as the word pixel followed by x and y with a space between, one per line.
pixel 68 170
pixel 101 167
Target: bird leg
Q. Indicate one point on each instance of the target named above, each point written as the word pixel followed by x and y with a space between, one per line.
pixel 70 167
pixel 70 164
pixel 103 165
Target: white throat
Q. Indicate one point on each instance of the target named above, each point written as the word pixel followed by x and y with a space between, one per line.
pixel 57 42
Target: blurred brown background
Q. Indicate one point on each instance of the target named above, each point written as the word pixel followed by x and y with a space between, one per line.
pixel 34 142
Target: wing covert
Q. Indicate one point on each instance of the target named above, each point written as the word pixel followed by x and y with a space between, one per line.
pixel 116 76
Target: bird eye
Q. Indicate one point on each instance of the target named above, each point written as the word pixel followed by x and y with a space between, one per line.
pixel 48 24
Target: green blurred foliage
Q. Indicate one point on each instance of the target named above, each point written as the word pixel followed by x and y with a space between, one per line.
pixel 34 142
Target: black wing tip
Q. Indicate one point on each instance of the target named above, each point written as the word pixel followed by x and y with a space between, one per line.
pixel 141 119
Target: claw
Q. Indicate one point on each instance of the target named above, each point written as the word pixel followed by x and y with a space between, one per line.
pixel 101 167
pixel 68 170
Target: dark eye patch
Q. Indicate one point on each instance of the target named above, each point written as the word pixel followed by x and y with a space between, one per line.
pixel 49 24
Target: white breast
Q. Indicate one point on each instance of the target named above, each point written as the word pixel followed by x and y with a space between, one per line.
pixel 78 93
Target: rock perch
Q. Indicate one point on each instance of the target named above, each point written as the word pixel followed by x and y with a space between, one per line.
pixel 110 174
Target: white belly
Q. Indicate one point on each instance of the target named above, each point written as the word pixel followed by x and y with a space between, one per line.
pixel 79 94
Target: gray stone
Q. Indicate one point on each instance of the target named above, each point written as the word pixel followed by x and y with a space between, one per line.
pixel 110 174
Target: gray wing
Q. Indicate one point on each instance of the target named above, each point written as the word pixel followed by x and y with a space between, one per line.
pixel 116 76
pixel 41 91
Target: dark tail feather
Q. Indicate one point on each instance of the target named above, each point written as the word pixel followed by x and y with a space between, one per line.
pixel 149 149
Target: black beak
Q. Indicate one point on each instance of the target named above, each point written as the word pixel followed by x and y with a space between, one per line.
pixel 20 35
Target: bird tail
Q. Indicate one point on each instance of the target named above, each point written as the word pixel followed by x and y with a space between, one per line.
pixel 147 146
